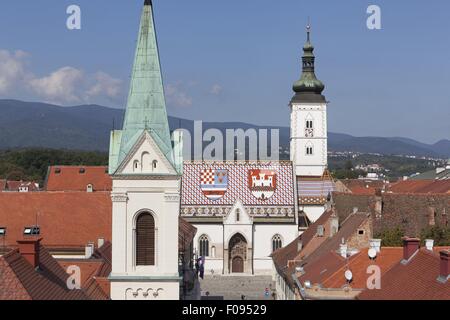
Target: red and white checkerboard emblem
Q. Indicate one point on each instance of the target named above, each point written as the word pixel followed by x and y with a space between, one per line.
pixel 214 183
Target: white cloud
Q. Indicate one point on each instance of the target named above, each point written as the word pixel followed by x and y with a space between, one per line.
pixel 105 85
pixel 177 97
pixel 60 86
pixel 216 89
pixel 63 86
pixel 12 69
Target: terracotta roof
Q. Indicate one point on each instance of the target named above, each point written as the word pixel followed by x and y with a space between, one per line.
pixel 48 282
pixel 347 229
pixel 358 264
pixel 360 186
pixel 415 280
pixel 290 252
pixel 94 272
pixel 77 178
pixel 320 269
pixel 66 219
pixel 13 185
pixel 421 186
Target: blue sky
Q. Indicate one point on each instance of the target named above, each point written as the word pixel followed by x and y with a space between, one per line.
pixel 237 60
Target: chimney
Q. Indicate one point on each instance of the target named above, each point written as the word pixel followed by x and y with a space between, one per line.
pixel 29 249
pixel 334 224
pixel 375 244
pixel 343 250
pixel 429 243
pixel 299 271
pixel 101 242
pixel 445 265
pixel 89 250
pixel 410 247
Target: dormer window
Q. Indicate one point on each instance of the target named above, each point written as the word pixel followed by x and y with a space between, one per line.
pixel 89 188
pixel 57 171
pixel 2 231
pixel 82 170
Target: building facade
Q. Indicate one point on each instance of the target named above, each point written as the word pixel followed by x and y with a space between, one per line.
pixel 243 211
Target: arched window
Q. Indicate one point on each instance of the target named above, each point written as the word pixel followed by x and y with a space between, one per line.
pixel 309 149
pixel 203 244
pixel 276 242
pixel 154 164
pixel 213 251
pixel 135 165
pixel 145 240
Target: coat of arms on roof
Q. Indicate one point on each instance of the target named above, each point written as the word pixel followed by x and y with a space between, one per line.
pixel 262 183
pixel 214 183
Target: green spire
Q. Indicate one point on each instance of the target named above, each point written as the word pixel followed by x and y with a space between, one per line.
pixel 308 88
pixel 146 106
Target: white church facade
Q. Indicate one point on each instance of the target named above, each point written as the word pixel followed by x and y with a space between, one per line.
pixel 243 211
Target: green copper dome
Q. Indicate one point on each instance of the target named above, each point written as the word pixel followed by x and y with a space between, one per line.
pixel 308 87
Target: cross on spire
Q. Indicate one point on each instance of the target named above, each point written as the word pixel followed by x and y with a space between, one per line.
pixel 308 29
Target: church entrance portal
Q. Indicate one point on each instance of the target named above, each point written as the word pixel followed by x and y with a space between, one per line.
pixel 238 253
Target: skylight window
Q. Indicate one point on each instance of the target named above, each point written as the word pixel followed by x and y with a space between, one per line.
pixel 2 231
pixel 32 231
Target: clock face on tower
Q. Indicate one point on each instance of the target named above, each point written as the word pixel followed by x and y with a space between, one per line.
pixel 309 133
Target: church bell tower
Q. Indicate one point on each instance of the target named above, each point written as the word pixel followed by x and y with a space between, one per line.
pixel 309 119
pixel 146 184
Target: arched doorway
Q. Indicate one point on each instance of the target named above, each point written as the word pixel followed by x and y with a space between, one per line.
pixel 237 253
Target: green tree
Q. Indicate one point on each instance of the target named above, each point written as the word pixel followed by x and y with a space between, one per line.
pixel 440 235
pixel 391 237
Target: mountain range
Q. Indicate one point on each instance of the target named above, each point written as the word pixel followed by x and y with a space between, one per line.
pixel 87 127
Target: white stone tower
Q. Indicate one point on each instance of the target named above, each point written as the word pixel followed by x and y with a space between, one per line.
pixel 146 184
pixel 309 119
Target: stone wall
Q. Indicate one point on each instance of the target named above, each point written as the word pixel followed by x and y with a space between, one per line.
pixel 360 241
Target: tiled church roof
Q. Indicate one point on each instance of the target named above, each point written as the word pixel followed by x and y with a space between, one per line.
pixel 238 184
pixel 314 190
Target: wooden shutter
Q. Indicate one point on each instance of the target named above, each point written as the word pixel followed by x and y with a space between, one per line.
pixel 145 240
